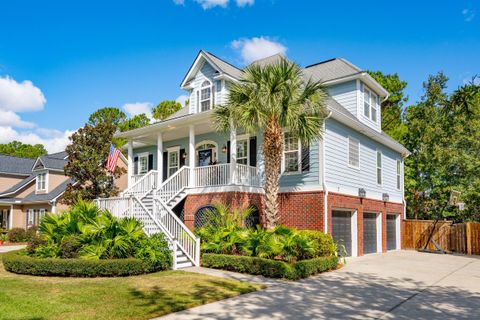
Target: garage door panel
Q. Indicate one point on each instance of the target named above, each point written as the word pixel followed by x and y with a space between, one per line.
pixel 369 233
pixel 342 229
pixel 391 232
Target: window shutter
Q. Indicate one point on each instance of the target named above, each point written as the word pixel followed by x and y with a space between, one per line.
pixel 182 158
pixel 165 165
pixel 305 157
pixel 150 162
pixel 135 165
pixel 228 151
pixel 253 151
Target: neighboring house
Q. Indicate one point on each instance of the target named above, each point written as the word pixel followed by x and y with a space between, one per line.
pixel 348 183
pixel 31 187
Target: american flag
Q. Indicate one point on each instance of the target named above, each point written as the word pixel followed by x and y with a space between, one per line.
pixel 112 158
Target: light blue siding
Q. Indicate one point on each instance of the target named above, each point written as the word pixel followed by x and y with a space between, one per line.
pixel 206 72
pixel 369 122
pixel 342 178
pixel 345 94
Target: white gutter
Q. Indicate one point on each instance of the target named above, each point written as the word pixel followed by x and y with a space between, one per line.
pixel 324 183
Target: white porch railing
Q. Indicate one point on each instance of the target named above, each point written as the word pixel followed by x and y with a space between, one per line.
pixel 174 184
pixel 247 175
pixel 216 175
pixel 118 206
pixel 143 184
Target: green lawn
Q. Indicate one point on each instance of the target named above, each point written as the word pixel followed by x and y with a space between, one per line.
pixel 139 297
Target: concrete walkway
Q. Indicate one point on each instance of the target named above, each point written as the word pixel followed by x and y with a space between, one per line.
pixel 396 285
pixel 9 248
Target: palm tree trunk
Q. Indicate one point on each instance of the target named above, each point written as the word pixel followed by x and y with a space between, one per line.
pixel 272 154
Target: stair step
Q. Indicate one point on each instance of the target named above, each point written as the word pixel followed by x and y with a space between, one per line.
pixel 182 259
pixel 184 265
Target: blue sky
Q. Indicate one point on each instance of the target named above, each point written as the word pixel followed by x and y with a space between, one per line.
pixel 62 60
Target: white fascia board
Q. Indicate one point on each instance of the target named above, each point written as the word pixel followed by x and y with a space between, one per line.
pixel 366 78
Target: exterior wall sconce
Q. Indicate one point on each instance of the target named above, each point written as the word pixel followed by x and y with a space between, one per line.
pixel 362 193
pixel 385 197
pixel 224 149
pixel 184 155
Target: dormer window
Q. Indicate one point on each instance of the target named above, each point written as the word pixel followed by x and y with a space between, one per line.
pixel 370 104
pixel 206 96
pixel 42 182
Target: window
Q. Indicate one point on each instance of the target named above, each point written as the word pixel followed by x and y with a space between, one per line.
pixel 42 181
pixel 379 167
pixel 353 152
pixel 143 163
pixel 34 216
pixel 242 151
pixel 291 154
pixel 399 169
pixel 4 217
pixel 370 103
pixel 206 96
pixel 173 161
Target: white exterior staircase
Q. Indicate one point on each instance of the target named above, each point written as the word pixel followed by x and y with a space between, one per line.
pixel 152 202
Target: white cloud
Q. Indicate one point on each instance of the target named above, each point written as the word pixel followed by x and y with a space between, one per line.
pixel 23 96
pixel 53 143
pixel 137 108
pixel 468 14
pixel 182 99
pixel 207 4
pixel 243 3
pixel 257 48
pixel 11 119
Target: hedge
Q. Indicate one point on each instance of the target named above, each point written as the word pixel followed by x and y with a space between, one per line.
pixel 269 268
pixel 19 262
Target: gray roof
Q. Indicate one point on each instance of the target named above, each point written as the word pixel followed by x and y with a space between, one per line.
pixel 269 60
pixel 54 163
pixel 16 165
pixel 331 69
pixel 20 185
pixel 58 155
pixel 224 66
pixel 381 137
pixel 180 113
pixel 33 197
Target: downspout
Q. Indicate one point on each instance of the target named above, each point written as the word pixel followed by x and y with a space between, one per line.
pixel 403 188
pixel 10 218
pixel 324 183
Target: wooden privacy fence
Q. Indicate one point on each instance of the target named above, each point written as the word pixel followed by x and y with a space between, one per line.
pixel 460 238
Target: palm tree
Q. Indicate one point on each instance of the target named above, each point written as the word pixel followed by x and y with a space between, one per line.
pixel 269 99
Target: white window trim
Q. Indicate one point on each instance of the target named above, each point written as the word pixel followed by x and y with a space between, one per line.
pixel 377 167
pixel 170 150
pixel 375 104
pixel 242 138
pixel 37 190
pixel 142 155
pixel 211 95
pixel 215 149
pixel 348 152
pixel 398 174
pixel 282 167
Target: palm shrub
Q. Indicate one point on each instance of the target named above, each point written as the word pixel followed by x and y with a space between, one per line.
pixel 268 99
pixel 323 243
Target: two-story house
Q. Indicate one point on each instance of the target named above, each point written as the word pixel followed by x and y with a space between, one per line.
pixel 348 183
pixel 29 188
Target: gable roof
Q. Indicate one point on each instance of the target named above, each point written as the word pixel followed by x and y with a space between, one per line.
pixel 327 70
pixel 55 161
pixel 16 165
pixel 34 197
pixel 18 186
pixel 269 60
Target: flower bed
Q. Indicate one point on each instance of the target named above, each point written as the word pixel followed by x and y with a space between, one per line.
pixel 268 267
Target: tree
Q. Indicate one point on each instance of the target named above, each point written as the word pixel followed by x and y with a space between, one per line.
pixel 268 99
pixel 165 109
pixel 87 155
pixel 108 114
pixel 19 149
pixel 138 121
pixel 392 108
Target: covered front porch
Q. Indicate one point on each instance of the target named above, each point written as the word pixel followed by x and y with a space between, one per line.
pixel 212 158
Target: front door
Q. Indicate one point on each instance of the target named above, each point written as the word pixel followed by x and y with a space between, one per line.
pixel 205 157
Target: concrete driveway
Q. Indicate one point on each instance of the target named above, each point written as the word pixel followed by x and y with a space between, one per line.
pixel 396 285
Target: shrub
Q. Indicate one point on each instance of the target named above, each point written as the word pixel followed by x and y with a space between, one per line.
pixel 270 268
pixel 34 243
pixel 31 233
pixel 70 247
pixel 155 252
pixel 323 243
pixel 19 262
pixel 17 235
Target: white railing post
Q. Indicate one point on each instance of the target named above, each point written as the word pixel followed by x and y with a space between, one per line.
pixel 130 162
pixel 175 248
pixel 191 152
pixel 197 252
pixel 233 153
pixel 159 158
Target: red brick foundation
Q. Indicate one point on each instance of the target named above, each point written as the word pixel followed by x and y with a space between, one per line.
pixel 302 210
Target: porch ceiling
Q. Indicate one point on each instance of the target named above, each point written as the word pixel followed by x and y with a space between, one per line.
pixel 173 132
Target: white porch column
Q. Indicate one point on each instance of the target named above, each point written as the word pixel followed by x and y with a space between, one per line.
pixel 233 153
pixel 130 162
pixel 191 153
pixel 159 158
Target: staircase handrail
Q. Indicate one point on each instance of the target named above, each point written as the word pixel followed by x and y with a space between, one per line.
pixel 141 180
pixel 169 180
pixel 158 223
